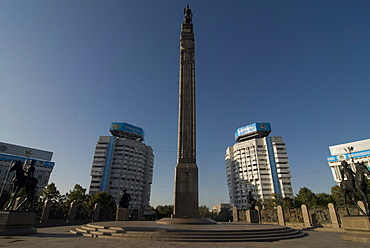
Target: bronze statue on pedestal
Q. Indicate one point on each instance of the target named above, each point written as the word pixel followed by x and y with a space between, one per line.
pixel 355 182
pixel 23 179
pixel 124 202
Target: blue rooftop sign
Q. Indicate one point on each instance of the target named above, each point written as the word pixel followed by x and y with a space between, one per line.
pixel 252 128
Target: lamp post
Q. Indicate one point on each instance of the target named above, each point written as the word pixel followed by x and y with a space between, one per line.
pixel 28 154
pixel 349 150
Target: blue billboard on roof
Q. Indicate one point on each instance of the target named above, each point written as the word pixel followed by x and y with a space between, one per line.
pixel 13 158
pixel 347 156
pixel 125 127
pixel 252 128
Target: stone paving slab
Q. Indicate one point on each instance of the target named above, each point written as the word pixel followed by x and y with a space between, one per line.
pixel 56 237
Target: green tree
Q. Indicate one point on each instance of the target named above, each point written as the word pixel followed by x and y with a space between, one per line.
pixel 268 203
pixel 307 197
pixel 107 204
pixel 204 212
pixel 323 199
pixel 288 203
pixel 77 194
pixel 104 198
pixel 164 211
pixel 337 196
pixel 259 203
pixel 50 192
pixel 275 200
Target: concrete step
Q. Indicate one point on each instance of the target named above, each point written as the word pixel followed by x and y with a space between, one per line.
pixel 97 226
pixel 211 233
pixel 208 239
pixel 112 230
pixel 74 231
pixel 82 230
pixel 90 235
pixel 229 234
pixel 100 233
pixel 96 230
pixel 89 228
pixel 119 229
pixel 208 236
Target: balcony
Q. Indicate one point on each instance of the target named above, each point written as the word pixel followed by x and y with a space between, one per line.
pixel 265 176
pixel 283 171
pixel 96 173
pixel 94 185
pixel 285 176
pixel 282 165
pixel 281 160
pixel 99 160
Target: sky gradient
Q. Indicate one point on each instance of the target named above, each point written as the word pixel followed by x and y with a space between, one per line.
pixel 70 68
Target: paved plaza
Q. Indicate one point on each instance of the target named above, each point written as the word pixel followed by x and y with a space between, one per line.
pixel 55 237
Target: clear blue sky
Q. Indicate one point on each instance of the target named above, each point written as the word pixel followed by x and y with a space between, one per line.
pixel 70 68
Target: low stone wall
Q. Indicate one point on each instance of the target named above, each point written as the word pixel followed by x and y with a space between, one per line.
pixel 58 214
pixel 303 217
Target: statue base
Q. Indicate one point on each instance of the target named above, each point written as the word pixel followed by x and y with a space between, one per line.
pixel 252 216
pixel 122 214
pixel 356 223
pixel 357 228
pixel 186 221
pixel 17 223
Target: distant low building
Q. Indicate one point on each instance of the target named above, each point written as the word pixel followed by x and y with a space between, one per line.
pixel 10 153
pixel 217 209
pixel 221 212
pixel 360 153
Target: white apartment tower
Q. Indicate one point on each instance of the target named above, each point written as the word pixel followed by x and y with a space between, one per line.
pixel 123 161
pixel 257 163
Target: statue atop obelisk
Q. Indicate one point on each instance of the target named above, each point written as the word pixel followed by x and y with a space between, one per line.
pixel 186 174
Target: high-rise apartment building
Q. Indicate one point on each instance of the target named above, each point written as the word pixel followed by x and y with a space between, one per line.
pixel 123 161
pixel 257 163
pixel 359 151
pixel 10 153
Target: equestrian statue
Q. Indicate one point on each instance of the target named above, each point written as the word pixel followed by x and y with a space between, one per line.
pixel 24 178
pixel 356 183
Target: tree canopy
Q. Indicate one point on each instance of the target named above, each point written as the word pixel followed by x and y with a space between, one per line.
pixel 77 194
pixel 307 197
pixel 50 192
pixel 104 198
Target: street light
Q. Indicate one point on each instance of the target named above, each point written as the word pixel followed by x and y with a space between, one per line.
pixel 349 150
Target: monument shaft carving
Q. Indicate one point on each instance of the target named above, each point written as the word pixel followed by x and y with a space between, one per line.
pixel 186 175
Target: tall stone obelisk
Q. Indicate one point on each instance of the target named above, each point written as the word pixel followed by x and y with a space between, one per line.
pixel 186 174
pixel 186 209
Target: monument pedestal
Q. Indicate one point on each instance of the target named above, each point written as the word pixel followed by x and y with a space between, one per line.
pixel 357 228
pixel 17 223
pixel 122 214
pixel 187 221
pixel 356 223
pixel 186 191
pixel 252 216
